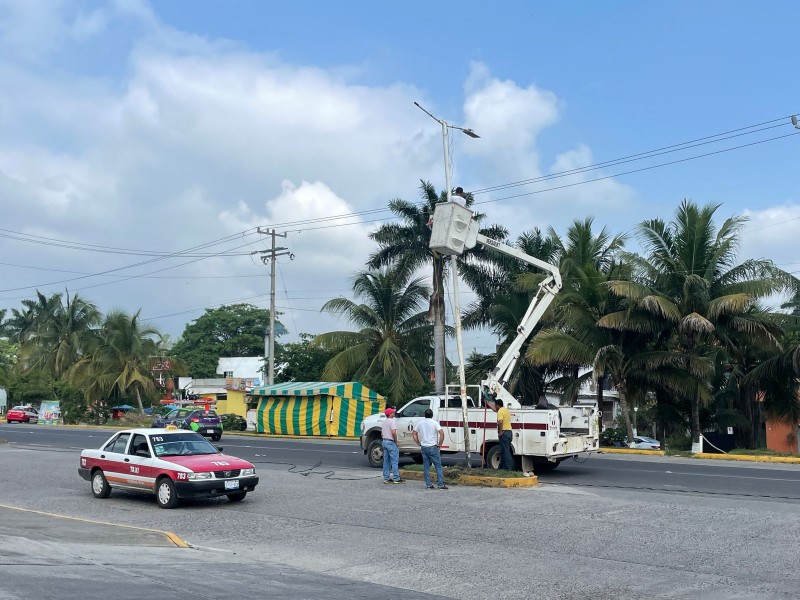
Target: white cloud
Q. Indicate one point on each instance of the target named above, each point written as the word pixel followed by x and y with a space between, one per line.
pixel 192 140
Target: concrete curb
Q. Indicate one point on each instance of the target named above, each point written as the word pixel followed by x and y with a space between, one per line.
pixel 631 451
pixel 172 537
pixel 504 482
pixel 749 458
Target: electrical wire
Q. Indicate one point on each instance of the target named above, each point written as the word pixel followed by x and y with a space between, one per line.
pixel 629 158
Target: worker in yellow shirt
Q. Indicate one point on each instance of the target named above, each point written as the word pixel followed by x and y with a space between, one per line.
pixel 503 432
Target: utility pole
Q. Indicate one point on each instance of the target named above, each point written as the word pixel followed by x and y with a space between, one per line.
pixel 454 269
pixel 269 335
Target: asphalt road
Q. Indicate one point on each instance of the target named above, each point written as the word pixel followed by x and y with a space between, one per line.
pixel 322 525
pixel 768 481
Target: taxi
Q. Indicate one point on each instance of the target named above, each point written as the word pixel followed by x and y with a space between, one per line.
pixel 171 463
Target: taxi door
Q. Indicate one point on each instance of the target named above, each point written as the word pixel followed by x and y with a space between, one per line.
pixel 112 459
pixel 139 463
pixel 406 420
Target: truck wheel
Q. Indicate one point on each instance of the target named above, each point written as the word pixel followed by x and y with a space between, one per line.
pixel 544 467
pixel 417 458
pixel 493 457
pixel 375 454
pixel 237 496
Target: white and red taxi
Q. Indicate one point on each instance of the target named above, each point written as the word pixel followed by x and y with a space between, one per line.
pixel 170 463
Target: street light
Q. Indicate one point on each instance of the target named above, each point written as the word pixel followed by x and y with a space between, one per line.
pixel 462 380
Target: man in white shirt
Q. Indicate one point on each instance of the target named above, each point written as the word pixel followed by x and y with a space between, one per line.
pixel 430 437
pixel 458 197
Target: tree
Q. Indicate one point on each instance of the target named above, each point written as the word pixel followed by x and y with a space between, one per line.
pixel 8 358
pixel 301 361
pixel 119 360
pixel 232 330
pixel 60 335
pixel 407 244
pixel 392 345
pixel 688 292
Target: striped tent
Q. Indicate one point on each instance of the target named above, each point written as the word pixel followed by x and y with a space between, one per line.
pixel 315 408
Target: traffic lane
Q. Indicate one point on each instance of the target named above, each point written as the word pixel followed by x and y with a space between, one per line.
pixel 665 474
pixel 55 437
pixel 329 525
pixel 646 473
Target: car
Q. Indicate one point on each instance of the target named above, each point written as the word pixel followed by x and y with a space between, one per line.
pixel 173 464
pixel 238 421
pixel 22 414
pixel 645 443
pixel 204 422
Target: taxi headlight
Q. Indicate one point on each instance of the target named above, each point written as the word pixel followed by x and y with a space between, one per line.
pixel 247 472
pixel 196 476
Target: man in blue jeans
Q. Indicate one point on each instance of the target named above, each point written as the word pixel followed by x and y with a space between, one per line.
pixel 391 454
pixel 430 437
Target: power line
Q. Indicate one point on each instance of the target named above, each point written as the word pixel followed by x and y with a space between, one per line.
pixel 383 210
pixel 641 155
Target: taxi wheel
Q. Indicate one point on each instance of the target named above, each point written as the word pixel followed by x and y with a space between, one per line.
pixel 100 487
pixel 216 438
pixel 166 496
pixel 237 497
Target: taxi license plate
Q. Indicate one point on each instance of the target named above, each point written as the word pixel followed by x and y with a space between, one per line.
pixel 232 484
pixel 209 431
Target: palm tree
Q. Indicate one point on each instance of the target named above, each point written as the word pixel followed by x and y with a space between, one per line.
pixel 393 340
pixel 119 359
pixel 688 291
pixel 406 244
pixel 61 336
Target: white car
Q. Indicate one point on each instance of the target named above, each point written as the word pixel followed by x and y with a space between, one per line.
pixel 645 443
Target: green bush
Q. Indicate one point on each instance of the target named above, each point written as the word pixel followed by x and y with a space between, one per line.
pixel 678 441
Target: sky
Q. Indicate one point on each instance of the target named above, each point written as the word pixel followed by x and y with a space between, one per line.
pixel 143 143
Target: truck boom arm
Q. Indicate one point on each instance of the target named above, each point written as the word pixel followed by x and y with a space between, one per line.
pixel 548 288
pixel 454 231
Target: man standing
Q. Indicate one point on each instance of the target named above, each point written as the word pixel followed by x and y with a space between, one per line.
pixel 391 454
pixel 503 432
pixel 429 435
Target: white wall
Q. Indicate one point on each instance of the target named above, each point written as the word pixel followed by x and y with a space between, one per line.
pixel 244 367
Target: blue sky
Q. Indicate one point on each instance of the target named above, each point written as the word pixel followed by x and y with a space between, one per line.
pixel 157 127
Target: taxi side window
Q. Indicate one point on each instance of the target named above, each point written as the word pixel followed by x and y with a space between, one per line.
pixel 139 445
pixel 118 445
pixel 172 413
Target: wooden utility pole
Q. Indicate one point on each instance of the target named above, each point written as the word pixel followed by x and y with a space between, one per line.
pixel 269 337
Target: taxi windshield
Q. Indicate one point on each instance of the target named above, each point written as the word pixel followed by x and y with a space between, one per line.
pixel 181 444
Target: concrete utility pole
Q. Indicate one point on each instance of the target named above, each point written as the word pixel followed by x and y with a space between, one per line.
pixel 453 268
pixel 269 337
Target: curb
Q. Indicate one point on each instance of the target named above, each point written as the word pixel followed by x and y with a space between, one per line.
pixel 172 537
pixel 631 451
pixel 749 458
pixel 477 480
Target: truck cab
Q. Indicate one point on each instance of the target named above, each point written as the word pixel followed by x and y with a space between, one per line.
pixel 407 417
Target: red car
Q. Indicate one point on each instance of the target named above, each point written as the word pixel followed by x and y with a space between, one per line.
pixel 170 463
pixel 22 414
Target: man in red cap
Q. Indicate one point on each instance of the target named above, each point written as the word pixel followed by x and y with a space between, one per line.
pixel 391 454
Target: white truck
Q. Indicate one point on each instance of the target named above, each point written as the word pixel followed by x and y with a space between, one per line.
pixel 542 437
